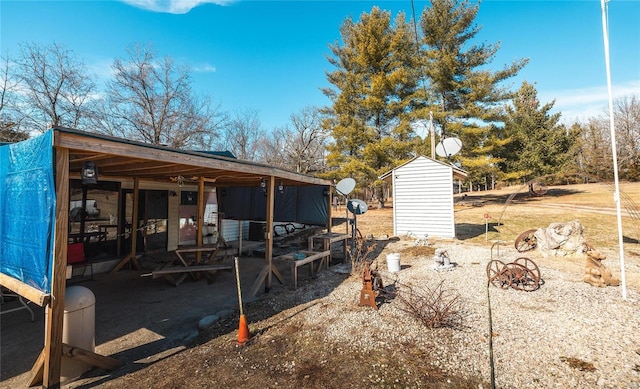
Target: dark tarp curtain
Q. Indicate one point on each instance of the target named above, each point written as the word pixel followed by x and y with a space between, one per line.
pixel 27 211
pixel 299 204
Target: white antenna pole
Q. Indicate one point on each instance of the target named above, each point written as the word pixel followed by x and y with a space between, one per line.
pixel 433 136
pixel 616 194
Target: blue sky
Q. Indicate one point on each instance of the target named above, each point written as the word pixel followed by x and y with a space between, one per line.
pixel 270 56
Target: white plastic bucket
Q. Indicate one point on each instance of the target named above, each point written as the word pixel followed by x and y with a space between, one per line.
pixel 78 329
pixel 393 262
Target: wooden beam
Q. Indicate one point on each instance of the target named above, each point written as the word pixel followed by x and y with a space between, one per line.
pixel 262 277
pixel 29 292
pixel 266 269
pixel 210 165
pixel 37 371
pixel 134 230
pixel 134 223
pixel 330 208
pixel 200 220
pixel 268 237
pixel 90 357
pixel 55 309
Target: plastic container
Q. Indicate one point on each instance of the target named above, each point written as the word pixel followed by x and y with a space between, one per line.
pixel 393 262
pixel 78 329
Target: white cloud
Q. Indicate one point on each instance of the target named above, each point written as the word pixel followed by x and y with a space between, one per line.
pixel 173 6
pixel 204 68
pixel 101 69
pixel 584 103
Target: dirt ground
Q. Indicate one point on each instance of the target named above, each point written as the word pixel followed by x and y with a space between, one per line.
pixel 152 326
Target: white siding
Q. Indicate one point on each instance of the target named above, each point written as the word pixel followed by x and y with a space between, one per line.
pixel 230 230
pixel 423 199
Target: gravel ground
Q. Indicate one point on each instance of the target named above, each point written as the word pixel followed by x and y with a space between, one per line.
pixel 565 334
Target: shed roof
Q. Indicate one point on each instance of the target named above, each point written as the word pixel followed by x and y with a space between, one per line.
pixel 457 172
pixel 125 159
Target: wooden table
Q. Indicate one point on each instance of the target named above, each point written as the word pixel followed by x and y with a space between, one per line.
pixel 214 252
pixel 327 239
pixel 311 256
pixel 177 274
pixel 87 236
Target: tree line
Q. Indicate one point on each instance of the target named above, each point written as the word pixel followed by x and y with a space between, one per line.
pixel 387 74
pixel 147 99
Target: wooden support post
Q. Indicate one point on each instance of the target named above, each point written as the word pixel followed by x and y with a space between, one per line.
pixel 330 208
pixel 55 309
pixel 134 230
pixel 268 269
pixel 268 237
pixel 200 221
pixel 262 278
pixel 239 236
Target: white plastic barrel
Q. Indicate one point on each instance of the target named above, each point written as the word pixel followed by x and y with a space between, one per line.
pixel 78 329
pixel 393 262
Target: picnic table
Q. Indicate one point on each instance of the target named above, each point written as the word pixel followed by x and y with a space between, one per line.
pixel 299 258
pixel 78 237
pixel 216 260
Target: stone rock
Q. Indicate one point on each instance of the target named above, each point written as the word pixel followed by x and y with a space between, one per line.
pixel 207 321
pixel 561 239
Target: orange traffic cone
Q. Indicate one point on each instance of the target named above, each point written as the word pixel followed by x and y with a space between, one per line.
pixel 243 331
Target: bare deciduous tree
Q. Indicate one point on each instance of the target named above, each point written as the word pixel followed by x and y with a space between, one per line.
pixel 299 148
pixel 55 88
pixel 9 119
pixel 627 125
pixel 244 134
pixel 152 101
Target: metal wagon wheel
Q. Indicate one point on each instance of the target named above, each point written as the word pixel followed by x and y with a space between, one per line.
pixel 521 278
pixel 529 264
pixel 496 275
pixel 526 241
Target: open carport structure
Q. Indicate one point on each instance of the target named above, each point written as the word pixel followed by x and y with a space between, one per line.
pixel 34 266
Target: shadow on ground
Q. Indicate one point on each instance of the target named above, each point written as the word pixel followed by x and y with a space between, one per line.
pixel 483 198
pixel 466 231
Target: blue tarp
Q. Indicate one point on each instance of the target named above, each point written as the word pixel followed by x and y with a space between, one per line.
pixel 27 211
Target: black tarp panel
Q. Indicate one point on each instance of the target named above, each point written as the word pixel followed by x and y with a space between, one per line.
pixel 301 204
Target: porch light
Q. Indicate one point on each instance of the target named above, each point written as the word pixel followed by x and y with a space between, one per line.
pixel 89 173
pixel 263 185
pixel 280 187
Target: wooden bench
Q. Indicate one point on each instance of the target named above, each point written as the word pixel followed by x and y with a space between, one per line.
pixel 327 239
pixel 310 257
pixel 182 272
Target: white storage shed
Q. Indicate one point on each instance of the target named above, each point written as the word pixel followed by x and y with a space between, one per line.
pixel 423 197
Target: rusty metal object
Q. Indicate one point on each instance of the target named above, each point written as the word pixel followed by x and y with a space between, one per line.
pixel 522 274
pixel 537 188
pixel 371 287
pixel 526 241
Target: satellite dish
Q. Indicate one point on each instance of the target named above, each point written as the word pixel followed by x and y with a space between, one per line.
pixel 448 147
pixel 357 206
pixel 345 186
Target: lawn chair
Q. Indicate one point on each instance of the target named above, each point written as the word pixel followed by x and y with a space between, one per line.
pixel 76 258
